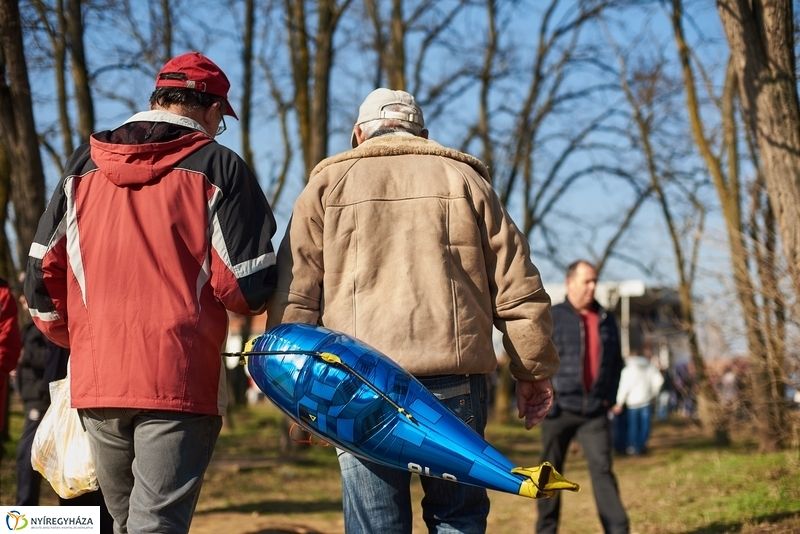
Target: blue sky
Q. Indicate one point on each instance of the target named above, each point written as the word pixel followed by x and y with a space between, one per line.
pixel 213 28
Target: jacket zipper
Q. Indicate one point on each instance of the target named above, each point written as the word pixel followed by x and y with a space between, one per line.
pixel 582 327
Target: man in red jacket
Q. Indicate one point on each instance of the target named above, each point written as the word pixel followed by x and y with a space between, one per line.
pixel 10 346
pixel 153 232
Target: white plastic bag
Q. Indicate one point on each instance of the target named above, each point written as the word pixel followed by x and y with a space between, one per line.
pixel 61 451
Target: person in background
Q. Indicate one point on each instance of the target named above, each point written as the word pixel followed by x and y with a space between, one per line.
pixel 639 386
pixel 619 430
pixel 10 346
pixel 153 232
pixel 666 400
pixel 410 250
pixel 684 382
pixel 588 343
pixel 42 362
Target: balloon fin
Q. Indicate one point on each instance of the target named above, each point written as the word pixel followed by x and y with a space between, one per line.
pixel 543 481
pixel 248 347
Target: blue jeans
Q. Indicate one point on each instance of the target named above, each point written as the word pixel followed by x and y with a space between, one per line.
pixel 377 499
pixel 150 464
pixel 638 428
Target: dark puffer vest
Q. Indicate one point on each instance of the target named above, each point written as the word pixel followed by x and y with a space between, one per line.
pixel 568 336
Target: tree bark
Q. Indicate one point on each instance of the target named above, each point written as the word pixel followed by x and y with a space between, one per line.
pixel 327 19
pixel 312 79
pixel 245 114
pixel 18 131
pixel 487 78
pixel 7 269
pixel 729 193
pixel 396 60
pixel 768 377
pixel 80 72
pixel 301 66
pixel 761 39
pixel 56 33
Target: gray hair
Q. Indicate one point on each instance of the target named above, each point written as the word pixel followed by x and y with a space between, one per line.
pixel 370 128
pixel 572 267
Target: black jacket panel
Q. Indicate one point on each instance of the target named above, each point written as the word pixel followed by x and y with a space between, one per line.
pixel 41 363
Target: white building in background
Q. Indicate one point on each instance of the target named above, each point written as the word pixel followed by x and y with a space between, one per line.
pixel 646 315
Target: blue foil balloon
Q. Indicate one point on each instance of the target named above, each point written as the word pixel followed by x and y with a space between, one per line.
pixel 353 396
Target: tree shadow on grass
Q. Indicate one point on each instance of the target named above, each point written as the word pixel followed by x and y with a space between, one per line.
pixel 272 506
pixel 737 526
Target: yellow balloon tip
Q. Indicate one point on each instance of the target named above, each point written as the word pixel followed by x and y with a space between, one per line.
pixel 543 481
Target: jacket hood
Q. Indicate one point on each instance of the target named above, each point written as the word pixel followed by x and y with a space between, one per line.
pixel 126 161
pixel 398 145
pixel 638 361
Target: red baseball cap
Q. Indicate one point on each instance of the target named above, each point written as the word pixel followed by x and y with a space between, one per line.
pixel 193 70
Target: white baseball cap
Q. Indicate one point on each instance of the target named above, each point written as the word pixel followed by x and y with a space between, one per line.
pixel 373 108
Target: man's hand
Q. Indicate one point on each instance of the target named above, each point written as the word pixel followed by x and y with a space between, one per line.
pixel 534 399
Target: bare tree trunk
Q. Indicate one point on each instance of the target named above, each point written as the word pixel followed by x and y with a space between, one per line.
pixel 7 269
pixel 327 19
pixel 18 131
pixel 286 105
pixel 166 27
pixel 761 39
pixel 60 66
pixel 728 190
pixel 378 43
pixel 768 377
pixel 712 415
pixel 312 81
pixel 301 66
pixel 80 72
pixel 245 114
pixel 56 34
pixel 396 59
pixel 237 376
pixel 487 77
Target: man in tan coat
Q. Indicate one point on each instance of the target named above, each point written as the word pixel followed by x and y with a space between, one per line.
pixel 403 243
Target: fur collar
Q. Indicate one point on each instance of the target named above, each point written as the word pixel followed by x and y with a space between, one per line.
pixel 397 145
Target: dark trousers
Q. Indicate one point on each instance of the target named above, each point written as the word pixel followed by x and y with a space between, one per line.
pixel 594 436
pixel 28 481
pixel 93 498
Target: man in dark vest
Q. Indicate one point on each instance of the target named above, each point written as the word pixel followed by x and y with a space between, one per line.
pixel 585 387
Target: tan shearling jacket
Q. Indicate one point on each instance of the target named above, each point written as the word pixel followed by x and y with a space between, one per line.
pixel 403 244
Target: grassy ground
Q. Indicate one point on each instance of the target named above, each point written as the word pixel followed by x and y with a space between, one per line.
pixel 685 484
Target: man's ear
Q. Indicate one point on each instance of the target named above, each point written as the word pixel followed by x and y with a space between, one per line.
pixel 211 113
pixel 357 137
